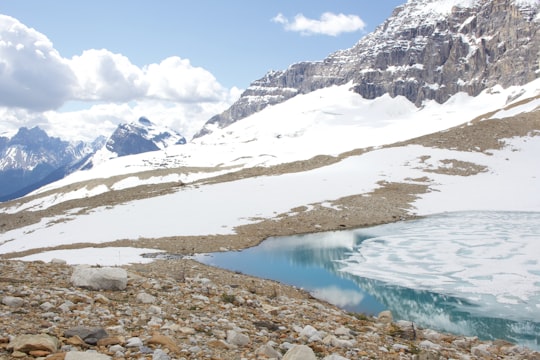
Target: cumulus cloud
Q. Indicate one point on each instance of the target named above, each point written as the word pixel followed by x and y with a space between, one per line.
pixel 36 81
pixel 176 79
pixel 329 24
pixel 103 75
pixel 33 75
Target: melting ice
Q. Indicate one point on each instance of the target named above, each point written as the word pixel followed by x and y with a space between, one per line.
pixel 484 265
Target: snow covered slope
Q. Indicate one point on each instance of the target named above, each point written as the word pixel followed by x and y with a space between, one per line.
pixel 328 121
pixel 364 123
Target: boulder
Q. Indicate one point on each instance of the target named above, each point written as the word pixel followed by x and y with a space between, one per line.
pixel 28 343
pixel 99 278
pixel 300 352
pixel 236 338
pixel 13 301
pixel 90 335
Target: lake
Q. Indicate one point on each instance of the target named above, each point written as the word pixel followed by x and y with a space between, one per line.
pixel 470 273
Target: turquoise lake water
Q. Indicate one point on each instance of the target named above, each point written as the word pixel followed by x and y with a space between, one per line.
pixel 470 273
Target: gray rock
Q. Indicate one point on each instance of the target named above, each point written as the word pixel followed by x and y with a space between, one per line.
pixel 12 301
pixel 88 355
pixel 90 335
pixel 145 298
pixel 66 307
pixel 334 357
pixel 236 338
pixel 134 342
pixel 102 278
pixel 268 352
pixel 342 331
pixel 117 349
pixel 300 352
pixel 46 306
pixel 408 330
pixel 160 355
pixel 308 331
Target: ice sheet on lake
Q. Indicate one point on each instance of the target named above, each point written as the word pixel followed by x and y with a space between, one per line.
pixel 489 258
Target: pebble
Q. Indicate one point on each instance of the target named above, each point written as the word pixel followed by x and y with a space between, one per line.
pixel 163 318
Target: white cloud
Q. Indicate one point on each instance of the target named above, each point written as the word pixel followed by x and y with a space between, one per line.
pixel 33 75
pixel 103 75
pixel 36 81
pixel 175 79
pixel 329 24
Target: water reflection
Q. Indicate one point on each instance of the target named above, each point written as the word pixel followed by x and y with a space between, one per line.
pixel 315 262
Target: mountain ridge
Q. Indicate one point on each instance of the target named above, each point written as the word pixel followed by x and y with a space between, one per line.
pixel 418 53
pixel 31 159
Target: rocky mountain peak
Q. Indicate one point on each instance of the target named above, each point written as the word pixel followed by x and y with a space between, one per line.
pixel 134 138
pixel 32 158
pixel 32 137
pixel 141 136
pixel 426 50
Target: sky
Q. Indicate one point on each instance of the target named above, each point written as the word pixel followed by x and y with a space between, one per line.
pixel 77 69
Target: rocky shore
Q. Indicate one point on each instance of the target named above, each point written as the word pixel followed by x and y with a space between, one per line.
pixel 185 310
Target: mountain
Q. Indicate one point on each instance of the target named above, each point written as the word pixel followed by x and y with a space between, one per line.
pixel 427 50
pixel 31 159
pixel 135 138
pixel 332 156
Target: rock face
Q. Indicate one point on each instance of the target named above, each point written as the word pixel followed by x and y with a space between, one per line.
pixel 427 50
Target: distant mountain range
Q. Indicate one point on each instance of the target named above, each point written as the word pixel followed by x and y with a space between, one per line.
pixel 31 158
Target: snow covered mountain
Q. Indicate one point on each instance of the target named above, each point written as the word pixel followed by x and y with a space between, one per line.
pixel 135 138
pixel 427 50
pixel 437 111
pixel 31 159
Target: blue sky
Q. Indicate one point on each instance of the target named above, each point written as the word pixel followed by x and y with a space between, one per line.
pixel 193 57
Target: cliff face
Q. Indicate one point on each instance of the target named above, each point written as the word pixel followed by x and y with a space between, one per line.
pixel 427 49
